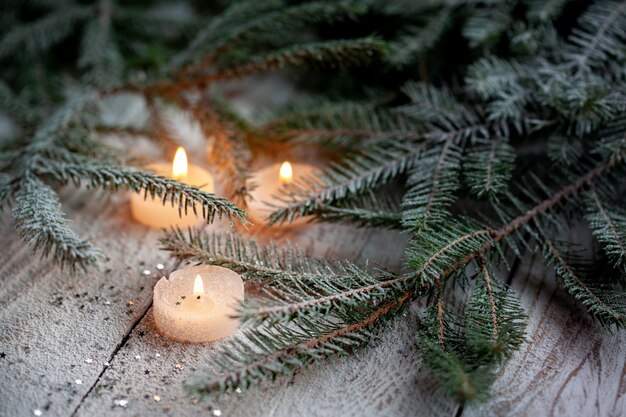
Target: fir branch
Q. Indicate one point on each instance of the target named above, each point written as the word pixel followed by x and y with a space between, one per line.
pixel 489 167
pixel 465 381
pixel 564 149
pixel 600 35
pixel 486 26
pixel 374 166
pixel 342 125
pixel 608 224
pixel 111 177
pixel 432 184
pixel 600 300
pixel 257 263
pixel 227 151
pixel 41 224
pixel 238 14
pixel 318 55
pixel 327 54
pixel 545 10
pixel 419 40
pixel 491 75
pixel 494 319
pixel 284 350
pixel 435 254
pixel 369 210
pixel 99 52
pixel 45 32
pixel 436 107
pixel 293 286
pixel 245 20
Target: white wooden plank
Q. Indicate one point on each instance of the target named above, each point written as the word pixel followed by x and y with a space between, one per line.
pixel 51 322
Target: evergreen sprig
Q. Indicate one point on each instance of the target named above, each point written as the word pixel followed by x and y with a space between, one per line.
pixel 485 129
pixel 41 223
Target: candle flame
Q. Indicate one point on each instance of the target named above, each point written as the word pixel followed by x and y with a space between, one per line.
pixel 198 286
pixel 179 167
pixel 286 173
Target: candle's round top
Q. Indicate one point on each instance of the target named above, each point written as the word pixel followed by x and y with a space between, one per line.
pixel 223 288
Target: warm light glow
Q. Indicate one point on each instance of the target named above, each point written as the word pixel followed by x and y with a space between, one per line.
pixel 286 173
pixel 198 286
pixel 179 167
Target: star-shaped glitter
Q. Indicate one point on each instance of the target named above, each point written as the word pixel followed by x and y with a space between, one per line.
pixel 177 303
pixel 147 372
pixel 3 355
pixel 183 297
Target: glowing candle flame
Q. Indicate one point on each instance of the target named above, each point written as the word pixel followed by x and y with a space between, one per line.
pixel 286 173
pixel 198 286
pixel 179 167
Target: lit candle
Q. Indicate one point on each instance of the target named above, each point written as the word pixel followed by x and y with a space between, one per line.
pixel 269 181
pixel 153 213
pixel 196 304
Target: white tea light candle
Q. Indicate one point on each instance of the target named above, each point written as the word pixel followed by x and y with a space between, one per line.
pixel 153 213
pixel 269 181
pixel 196 304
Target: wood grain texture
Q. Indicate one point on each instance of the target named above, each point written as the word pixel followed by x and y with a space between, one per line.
pixel 569 366
pixel 51 322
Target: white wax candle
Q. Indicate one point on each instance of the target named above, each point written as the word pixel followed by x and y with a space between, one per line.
pixel 152 212
pixel 269 181
pixel 196 304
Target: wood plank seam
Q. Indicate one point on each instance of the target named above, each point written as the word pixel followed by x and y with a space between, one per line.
pixel 118 347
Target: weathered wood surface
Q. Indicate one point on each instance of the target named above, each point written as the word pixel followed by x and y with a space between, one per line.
pixel 52 323
pixel 57 329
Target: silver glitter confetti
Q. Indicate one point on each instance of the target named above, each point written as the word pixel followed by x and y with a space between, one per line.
pixel 157 398
pixel 146 272
pixel 121 403
pixel 88 361
pixel 238 390
pixel 158 355
pixel 138 357
pixel 160 267
pixel 79 382
pixel 37 412
pixel 217 412
pixel 107 364
pixel 107 303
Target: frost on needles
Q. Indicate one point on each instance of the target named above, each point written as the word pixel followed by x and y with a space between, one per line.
pixel 483 130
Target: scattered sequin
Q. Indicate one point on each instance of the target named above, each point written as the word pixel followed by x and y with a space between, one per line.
pixel 121 403
pixel 238 390
pixel 88 361
pixel 138 357
pixel 37 412
pixel 107 364
pixel 79 382
pixel 217 412
pixel 158 355
pixel 131 302
pixel 157 398
pixel 107 303
pixel 146 272
pixel 160 267
pixel 179 366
